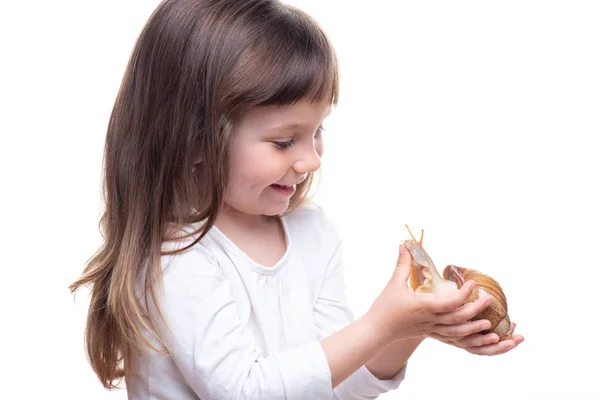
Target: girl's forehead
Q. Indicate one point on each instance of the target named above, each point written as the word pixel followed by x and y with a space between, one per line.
pixel 298 113
pixel 277 120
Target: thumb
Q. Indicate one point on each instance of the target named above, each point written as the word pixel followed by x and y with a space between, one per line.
pixel 403 265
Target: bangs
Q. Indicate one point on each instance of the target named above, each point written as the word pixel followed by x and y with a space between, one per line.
pixel 301 70
pixel 291 60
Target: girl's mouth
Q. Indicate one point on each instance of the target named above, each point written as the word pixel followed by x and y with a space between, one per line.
pixel 284 189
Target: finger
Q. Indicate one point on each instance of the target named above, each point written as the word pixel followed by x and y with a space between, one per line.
pixel 443 303
pixel 403 264
pixel 518 339
pixel 459 331
pixel 477 340
pixel 441 338
pixel 466 312
pixel 512 328
pixel 493 349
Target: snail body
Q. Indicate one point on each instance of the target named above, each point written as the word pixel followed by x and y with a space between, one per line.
pixel 424 278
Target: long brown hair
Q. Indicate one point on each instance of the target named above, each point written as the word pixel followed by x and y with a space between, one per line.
pixel 196 66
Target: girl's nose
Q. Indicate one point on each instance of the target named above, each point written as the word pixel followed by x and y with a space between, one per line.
pixel 309 161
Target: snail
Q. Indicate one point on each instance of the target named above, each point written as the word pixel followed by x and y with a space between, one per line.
pixel 424 278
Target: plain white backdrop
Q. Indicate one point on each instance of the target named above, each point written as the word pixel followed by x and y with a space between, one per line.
pixel 476 121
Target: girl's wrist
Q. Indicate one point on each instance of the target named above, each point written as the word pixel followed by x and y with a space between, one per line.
pixel 378 329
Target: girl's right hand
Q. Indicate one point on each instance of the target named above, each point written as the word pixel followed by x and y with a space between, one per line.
pixel 399 313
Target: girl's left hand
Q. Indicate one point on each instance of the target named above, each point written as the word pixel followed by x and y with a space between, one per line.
pixel 466 336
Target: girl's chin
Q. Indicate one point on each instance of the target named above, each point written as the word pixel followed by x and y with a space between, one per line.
pixel 274 211
pixel 268 209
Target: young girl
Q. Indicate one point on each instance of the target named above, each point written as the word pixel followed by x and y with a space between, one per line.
pixel 217 279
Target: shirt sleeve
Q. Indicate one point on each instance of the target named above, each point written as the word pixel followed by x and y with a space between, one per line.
pixel 332 313
pixel 215 352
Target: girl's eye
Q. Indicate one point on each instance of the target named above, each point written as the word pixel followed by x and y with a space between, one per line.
pixel 284 145
pixel 290 143
pixel 319 131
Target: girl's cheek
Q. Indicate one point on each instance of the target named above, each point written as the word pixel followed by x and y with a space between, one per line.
pixel 319 148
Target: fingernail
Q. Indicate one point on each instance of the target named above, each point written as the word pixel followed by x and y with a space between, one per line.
pixel 486 325
pixel 401 249
pixel 488 301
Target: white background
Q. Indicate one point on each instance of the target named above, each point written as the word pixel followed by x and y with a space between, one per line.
pixel 477 121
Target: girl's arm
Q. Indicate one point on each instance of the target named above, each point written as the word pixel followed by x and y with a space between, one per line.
pixel 350 348
pixel 390 361
pixel 377 363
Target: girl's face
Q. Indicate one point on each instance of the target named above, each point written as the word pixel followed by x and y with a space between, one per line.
pixel 273 149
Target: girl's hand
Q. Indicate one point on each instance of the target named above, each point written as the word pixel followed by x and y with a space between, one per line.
pixel 466 336
pixel 398 313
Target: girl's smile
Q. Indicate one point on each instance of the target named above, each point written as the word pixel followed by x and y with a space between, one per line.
pixel 284 190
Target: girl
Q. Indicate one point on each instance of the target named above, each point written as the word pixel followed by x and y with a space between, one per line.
pixel 217 279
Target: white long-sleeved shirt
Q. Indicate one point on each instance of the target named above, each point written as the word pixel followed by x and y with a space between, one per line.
pixel 240 330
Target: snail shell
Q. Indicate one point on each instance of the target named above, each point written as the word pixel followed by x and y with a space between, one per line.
pixel 497 312
pixel 424 278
